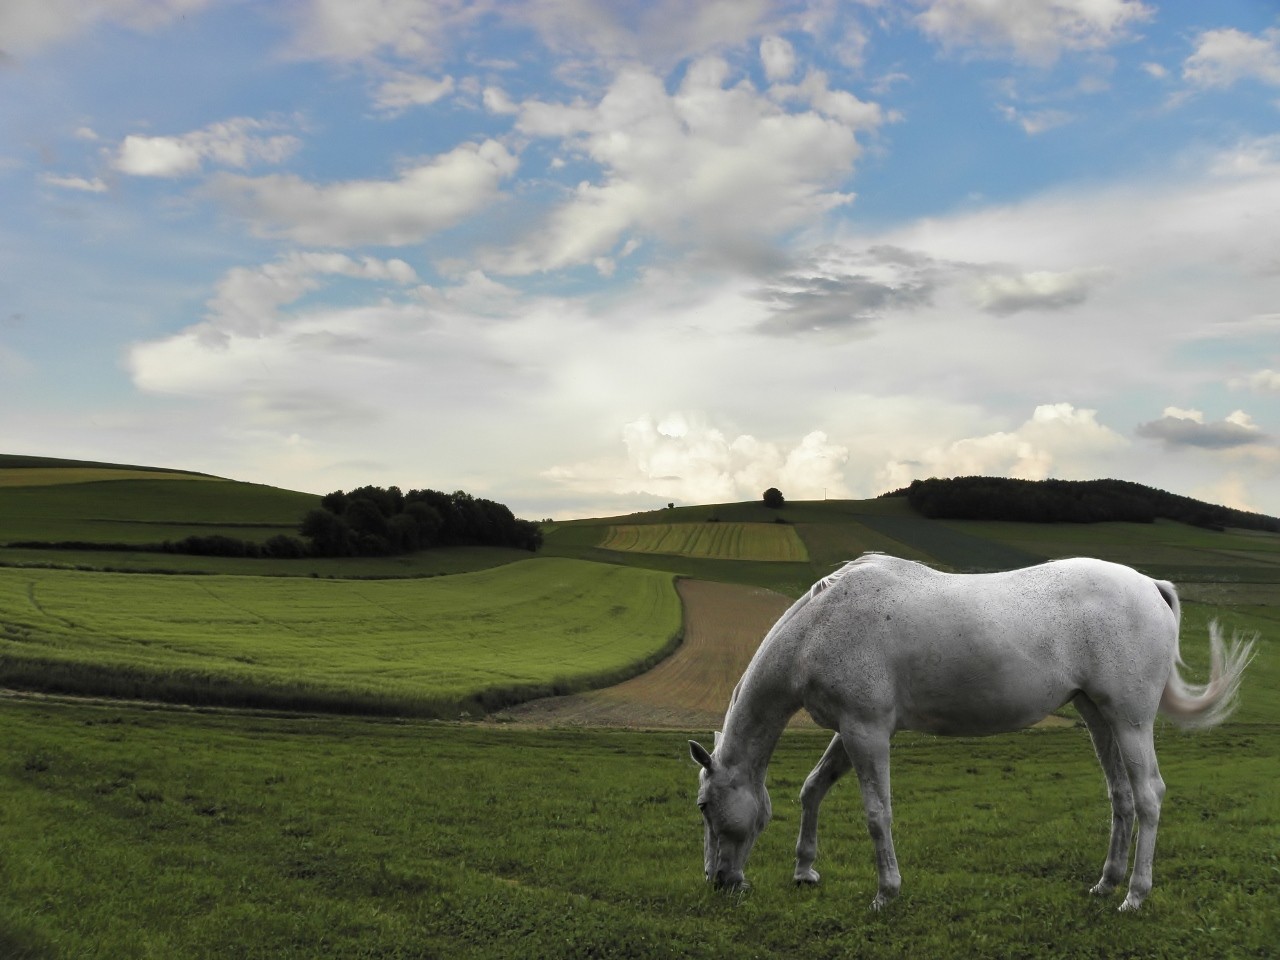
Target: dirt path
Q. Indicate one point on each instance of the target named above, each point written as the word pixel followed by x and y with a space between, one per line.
pixel 723 625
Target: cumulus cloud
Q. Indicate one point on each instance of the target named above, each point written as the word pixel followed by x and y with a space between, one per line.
pixel 234 143
pixel 29 26
pixel 1032 32
pixel 426 198
pixel 681 458
pixel 1059 440
pixel 405 90
pixel 1225 57
pixel 715 162
pixel 1188 428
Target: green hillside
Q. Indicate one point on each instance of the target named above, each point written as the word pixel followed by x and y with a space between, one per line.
pixel 1230 565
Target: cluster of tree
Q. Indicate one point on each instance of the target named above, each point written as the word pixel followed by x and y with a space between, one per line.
pixel 373 521
pixel 1068 501
pixel 773 499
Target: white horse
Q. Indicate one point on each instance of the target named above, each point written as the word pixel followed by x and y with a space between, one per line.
pixel 885 644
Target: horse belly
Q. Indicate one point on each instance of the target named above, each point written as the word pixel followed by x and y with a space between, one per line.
pixel 977 695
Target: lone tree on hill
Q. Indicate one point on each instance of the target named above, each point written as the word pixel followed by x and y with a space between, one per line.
pixel 773 499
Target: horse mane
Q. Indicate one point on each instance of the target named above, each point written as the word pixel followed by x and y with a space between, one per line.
pixel 834 577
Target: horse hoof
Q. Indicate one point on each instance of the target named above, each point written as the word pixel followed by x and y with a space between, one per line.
pixel 1101 888
pixel 809 878
pixel 1130 905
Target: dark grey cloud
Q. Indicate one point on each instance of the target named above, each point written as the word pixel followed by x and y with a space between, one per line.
pixel 817 296
pixel 1008 292
pixel 1185 432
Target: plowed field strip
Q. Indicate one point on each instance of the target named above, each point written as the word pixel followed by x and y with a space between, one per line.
pixel 723 625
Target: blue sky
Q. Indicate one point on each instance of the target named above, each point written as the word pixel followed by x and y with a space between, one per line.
pixel 586 257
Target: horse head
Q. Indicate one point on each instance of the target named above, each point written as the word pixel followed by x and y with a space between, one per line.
pixel 734 811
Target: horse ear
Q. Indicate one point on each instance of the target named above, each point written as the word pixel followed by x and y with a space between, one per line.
pixel 699 754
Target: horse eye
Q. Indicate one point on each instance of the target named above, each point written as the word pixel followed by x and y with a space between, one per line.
pixel 703 806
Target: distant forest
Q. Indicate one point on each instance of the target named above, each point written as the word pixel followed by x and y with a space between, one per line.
pixel 376 522
pixel 1068 501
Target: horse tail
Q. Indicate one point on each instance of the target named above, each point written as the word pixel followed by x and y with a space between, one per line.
pixel 1195 706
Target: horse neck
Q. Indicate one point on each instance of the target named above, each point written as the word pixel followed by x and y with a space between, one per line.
pixel 763 703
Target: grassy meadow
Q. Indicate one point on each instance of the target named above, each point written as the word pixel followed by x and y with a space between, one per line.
pixel 132 833
pixel 140 830
pixel 410 646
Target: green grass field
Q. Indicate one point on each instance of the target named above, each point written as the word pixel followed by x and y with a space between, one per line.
pixel 148 511
pixel 709 541
pixel 154 834
pixel 411 646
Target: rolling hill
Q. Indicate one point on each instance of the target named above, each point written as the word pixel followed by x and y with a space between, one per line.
pixel 749 560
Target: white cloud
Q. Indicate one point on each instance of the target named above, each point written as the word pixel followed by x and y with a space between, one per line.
pixel 350 30
pixel 682 458
pixel 1224 57
pixel 778 57
pixel 405 90
pixel 247 302
pixel 496 101
pixel 29 26
pixel 1036 32
pixel 425 199
pixel 1035 122
pixel 233 143
pixel 836 104
pixel 95 185
pixel 1058 441
pixel 714 163
pixel 1263 382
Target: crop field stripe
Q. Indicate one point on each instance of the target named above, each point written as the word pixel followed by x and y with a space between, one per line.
pixel 709 541
pixel 56 476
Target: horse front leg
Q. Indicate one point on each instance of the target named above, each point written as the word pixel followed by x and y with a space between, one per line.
pixel 834 764
pixel 869 752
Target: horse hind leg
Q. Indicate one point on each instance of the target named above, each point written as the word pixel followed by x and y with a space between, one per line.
pixel 1137 748
pixel 835 763
pixel 1120 792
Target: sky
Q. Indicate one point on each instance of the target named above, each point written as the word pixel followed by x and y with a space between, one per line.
pixel 586 257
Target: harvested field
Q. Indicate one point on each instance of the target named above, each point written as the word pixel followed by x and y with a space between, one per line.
pixel 723 625
pixel 713 541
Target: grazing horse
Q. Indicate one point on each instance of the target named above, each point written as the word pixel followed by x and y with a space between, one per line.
pixel 885 644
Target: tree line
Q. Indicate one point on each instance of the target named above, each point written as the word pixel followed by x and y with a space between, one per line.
pixel 1068 501
pixel 377 521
